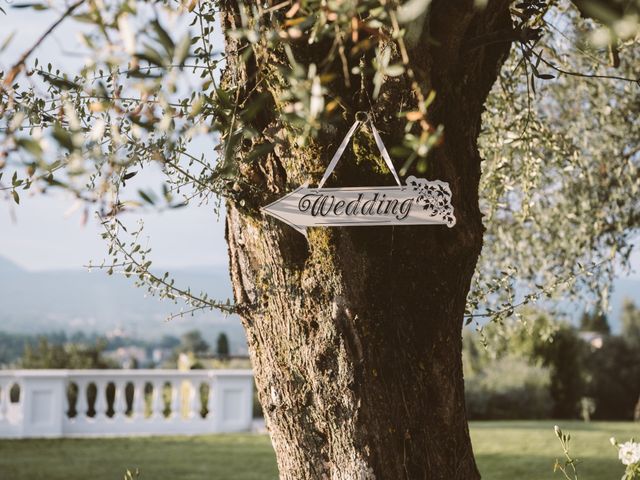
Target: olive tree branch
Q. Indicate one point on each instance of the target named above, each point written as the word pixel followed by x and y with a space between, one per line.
pixel 578 74
pixel 535 296
pixel 19 65
pixel 133 266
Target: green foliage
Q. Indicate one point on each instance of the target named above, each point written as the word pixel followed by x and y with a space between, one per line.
pixel 504 451
pixel 559 186
pixel 47 355
pixel 222 345
pixel 594 322
pixel 593 377
pixel 192 342
pixel 169 341
pixel 71 356
pixel 11 347
pixel 630 319
pixel 545 345
pixel 569 467
pixel 220 456
pixel 509 388
pixel 132 475
pixel 614 379
pixel 629 455
pixel 526 450
pixel 563 354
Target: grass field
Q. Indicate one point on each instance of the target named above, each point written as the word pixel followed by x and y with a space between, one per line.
pixel 527 450
pixel 504 450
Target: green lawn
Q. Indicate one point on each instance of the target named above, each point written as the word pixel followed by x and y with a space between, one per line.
pixel 504 450
pixel 212 457
pixel 527 450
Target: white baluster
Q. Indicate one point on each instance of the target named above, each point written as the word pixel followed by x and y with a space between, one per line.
pixel 210 401
pixel 176 385
pixel 4 400
pixel 138 401
pixel 81 404
pixel 157 403
pixel 120 400
pixel 194 399
pixel 67 399
pixel 177 391
pixel 101 400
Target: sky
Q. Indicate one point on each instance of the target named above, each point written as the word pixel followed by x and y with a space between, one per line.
pixel 44 233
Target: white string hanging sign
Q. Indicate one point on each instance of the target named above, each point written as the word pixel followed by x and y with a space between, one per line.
pixel 419 202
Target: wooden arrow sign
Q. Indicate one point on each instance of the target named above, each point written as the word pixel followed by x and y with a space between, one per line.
pixel 419 202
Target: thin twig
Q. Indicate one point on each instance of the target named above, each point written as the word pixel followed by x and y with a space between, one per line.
pixel 17 68
pixel 543 291
pixel 580 74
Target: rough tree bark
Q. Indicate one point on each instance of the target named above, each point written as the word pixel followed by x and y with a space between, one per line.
pixel 355 335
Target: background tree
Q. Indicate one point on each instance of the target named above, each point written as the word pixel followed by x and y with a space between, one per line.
pixel 327 316
pixel 193 342
pixel 49 354
pixel 630 320
pixel 222 345
pixel 511 387
pixel 12 347
pixel 46 354
pixel 614 379
pixel 169 341
pixel 550 346
pixel 564 354
pixel 594 322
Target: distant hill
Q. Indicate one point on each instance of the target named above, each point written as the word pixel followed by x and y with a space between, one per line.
pixel 7 266
pixel 72 300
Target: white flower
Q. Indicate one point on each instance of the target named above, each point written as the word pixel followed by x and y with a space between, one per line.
pixel 629 453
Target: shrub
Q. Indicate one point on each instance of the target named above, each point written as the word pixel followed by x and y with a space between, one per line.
pixel 614 379
pixel 509 388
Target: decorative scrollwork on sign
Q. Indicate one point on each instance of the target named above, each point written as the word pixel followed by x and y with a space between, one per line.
pixel 434 197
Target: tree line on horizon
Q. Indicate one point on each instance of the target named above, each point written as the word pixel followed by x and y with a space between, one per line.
pixel 82 350
pixel 546 368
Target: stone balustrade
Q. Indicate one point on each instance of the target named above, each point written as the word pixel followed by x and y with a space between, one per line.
pixel 63 403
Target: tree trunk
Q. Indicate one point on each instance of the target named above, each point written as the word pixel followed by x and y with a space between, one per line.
pixel 355 334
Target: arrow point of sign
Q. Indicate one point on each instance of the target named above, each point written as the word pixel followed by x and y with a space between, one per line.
pixel 273 213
